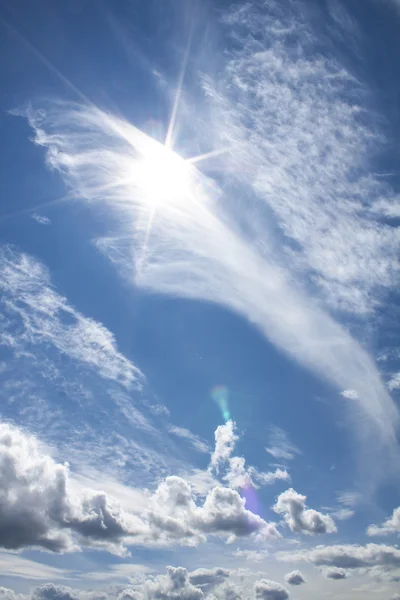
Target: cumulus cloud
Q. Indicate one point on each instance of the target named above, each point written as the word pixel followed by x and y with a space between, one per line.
pixel 335 573
pixel 390 526
pixel 236 473
pixel 347 556
pixel 265 589
pixel 294 578
pixel 7 594
pixel 225 440
pixel 50 591
pixel 37 507
pixel 174 586
pixel 394 382
pixel 173 513
pixel 301 519
pixel 228 591
pixel 207 579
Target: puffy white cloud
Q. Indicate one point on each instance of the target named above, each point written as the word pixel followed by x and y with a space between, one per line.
pixel 335 573
pixel 391 525
pixel 239 476
pixel 207 579
pixel 225 440
pixel 128 594
pixel 236 473
pixel 347 556
pixel 50 591
pixel 173 513
pixel 37 507
pixel 7 594
pixel 173 586
pixel 301 519
pixel 228 591
pixel 265 589
pixel 394 382
pixel 295 578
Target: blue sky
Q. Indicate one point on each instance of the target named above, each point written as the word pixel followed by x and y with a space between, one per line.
pixel 199 343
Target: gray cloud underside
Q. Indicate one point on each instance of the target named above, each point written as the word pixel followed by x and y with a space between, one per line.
pixel 41 507
pixel 177 584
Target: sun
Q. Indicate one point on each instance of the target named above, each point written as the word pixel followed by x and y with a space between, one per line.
pixel 163 176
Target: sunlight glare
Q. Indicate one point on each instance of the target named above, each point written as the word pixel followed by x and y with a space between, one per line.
pixel 164 176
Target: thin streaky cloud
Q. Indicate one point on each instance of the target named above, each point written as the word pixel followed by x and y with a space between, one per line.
pixel 196 251
pixel 37 314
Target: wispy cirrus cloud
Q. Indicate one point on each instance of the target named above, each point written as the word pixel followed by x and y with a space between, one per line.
pixel 300 146
pixel 34 314
pixel 279 445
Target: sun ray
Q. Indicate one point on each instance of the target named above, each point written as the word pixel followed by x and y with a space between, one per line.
pixel 212 154
pixel 175 108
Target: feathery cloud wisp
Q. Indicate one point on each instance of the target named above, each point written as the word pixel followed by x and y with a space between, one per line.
pixel 178 233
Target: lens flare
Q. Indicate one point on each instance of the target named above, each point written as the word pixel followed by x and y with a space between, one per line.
pixel 250 495
pixel 220 395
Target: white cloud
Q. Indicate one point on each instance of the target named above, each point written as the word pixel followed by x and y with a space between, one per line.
pixel 37 508
pixel 279 445
pixel 193 247
pixel 335 573
pixel 207 579
pixel 294 578
pixel 394 382
pixel 347 556
pixel 14 565
pixel 194 440
pixel 305 140
pixel 42 506
pixel 174 515
pixel 390 526
pixel 252 555
pixel 265 589
pixel 50 591
pixel 350 394
pixel 236 474
pixel 301 519
pixel 41 219
pixel 7 594
pixel 174 586
pixel 225 440
pixel 343 514
pixel 36 314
